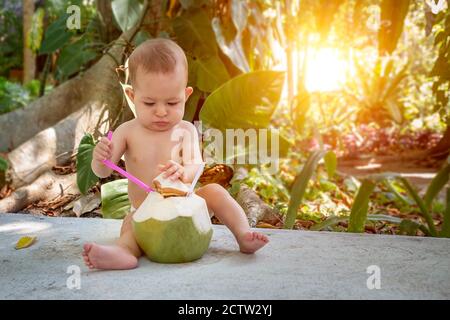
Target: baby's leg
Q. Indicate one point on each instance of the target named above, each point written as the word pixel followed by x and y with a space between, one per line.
pixel 123 255
pixel 230 213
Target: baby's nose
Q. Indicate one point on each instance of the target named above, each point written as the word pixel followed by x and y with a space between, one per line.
pixel 160 111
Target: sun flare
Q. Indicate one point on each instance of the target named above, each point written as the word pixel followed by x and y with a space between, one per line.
pixel 326 70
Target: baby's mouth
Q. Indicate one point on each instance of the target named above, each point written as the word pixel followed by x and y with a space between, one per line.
pixel 161 123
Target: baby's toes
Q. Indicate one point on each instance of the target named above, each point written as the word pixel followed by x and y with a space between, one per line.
pixel 87 262
pixel 262 237
pixel 87 247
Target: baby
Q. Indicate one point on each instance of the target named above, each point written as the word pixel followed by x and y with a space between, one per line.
pixel 158 75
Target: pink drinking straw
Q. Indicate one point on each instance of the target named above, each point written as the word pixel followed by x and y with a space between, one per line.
pixel 127 175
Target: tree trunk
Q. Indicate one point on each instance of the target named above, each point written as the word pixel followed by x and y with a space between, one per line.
pixel 100 82
pixel 89 102
pixel 29 58
pixel 47 186
pixel 108 31
pixel 55 145
pixel 255 209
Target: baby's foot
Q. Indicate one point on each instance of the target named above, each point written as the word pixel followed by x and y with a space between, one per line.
pixel 252 241
pixel 108 257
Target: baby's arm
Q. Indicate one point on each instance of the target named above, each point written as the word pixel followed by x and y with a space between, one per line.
pixel 192 157
pixel 116 148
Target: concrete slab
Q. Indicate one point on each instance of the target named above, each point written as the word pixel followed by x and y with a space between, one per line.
pixel 295 265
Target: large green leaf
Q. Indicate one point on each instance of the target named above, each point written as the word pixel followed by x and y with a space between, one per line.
pixel 209 73
pixel 194 33
pixel 358 214
pixel 56 36
pixel 246 101
pixel 126 13
pixel 73 57
pixel 299 187
pixel 393 14
pixel 115 201
pixel 86 178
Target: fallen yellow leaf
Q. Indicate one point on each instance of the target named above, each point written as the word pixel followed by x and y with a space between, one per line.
pixel 25 242
pixel 265 225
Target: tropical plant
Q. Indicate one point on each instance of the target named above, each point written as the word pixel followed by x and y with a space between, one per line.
pixel 301 182
pixel 115 201
pixel 13 95
pixel 86 178
pixel 75 48
pixel 377 93
pixel 359 213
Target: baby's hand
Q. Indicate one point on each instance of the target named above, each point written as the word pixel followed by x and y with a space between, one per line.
pixel 103 150
pixel 173 170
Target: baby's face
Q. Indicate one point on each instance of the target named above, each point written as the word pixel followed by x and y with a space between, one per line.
pixel 159 98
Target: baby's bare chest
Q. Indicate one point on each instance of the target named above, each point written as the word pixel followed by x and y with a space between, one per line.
pixel 153 150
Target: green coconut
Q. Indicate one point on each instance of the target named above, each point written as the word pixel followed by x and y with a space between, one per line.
pixel 173 229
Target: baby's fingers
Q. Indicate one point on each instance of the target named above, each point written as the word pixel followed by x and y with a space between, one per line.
pixel 102 157
pixel 105 150
pixel 102 154
pixel 176 175
pixel 105 141
pixel 170 171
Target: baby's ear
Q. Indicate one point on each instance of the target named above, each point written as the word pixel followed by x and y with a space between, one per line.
pixel 188 91
pixel 130 93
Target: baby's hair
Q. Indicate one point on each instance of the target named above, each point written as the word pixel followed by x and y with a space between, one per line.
pixel 156 55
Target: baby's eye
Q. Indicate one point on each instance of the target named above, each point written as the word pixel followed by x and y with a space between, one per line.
pixel 173 103
pixel 150 104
